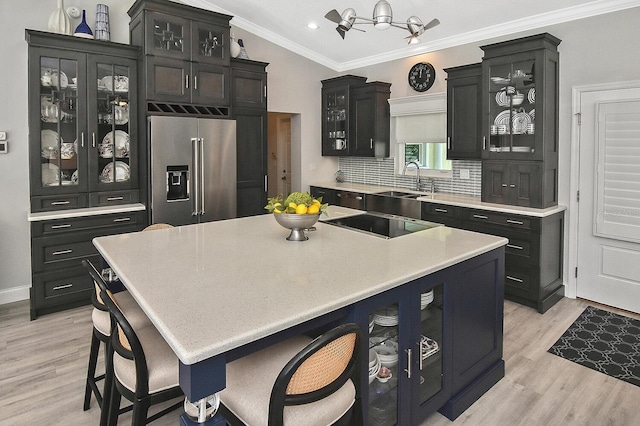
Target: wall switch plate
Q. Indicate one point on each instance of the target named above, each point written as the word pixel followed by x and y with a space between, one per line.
pixel 4 147
pixel 464 174
pixel 3 136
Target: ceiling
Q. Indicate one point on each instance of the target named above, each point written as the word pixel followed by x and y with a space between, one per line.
pixel 284 22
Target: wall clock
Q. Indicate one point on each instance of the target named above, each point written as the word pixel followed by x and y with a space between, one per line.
pixel 422 76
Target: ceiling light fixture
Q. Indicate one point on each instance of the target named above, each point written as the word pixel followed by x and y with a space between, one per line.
pixel 382 19
pixel 312 26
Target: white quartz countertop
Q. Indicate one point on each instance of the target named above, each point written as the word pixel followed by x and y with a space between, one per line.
pixel 89 211
pixel 445 198
pixel 213 287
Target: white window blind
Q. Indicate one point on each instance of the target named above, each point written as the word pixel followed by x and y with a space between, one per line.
pixel 618 171
pixel 421 128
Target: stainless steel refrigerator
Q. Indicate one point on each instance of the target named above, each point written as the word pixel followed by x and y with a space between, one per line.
pixel 193 169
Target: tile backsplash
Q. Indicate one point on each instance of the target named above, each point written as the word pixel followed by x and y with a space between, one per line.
pixel 381 171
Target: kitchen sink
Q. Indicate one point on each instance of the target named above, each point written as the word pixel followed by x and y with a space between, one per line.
pixel 398 194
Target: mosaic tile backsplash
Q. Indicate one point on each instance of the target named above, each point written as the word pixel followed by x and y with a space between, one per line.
pixel 381 171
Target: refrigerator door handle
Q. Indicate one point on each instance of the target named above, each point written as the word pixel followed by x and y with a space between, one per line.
pixel 202 179
pixel 195 181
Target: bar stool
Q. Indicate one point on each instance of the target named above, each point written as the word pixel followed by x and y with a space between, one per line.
pixel 298 382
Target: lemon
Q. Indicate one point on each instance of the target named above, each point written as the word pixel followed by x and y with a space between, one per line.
pixel 315 202
pixel 301 209
pixel 293 205
pixel 313 209
pixel 277 210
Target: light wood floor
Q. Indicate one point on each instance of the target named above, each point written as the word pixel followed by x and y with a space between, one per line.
pixel 43 369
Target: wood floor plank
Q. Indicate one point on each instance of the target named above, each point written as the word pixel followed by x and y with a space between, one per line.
pixel 43 366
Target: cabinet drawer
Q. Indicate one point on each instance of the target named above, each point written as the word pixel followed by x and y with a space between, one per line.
pixel 113 198
pixel 519 280
pixel 60 287
pixel 59 202
pixel 60 226
pixel 486 216
pixel 441 213
pixel 60 251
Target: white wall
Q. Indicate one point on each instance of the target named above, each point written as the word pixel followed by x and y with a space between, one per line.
pixel 594 50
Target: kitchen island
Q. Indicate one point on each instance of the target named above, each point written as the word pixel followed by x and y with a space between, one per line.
pixel 218 290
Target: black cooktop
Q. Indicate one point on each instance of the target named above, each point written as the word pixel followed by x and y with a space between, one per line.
pixel 382 225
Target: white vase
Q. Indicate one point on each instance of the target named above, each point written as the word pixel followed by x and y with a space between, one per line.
pixel 235 48
pixel 59 20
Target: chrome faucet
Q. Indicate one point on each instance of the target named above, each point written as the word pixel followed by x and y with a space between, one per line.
pixel 415 163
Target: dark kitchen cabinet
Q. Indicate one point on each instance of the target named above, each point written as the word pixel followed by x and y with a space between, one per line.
pixel 370 120
pixel 464 105
pixel 517 183
pixel 82 123
pixel 355 117
pixel 249 99
pixel 186 54
pixel 83 154
pixel 58 246
pixel 443 352
pixel 441 213
pixel 533 256
pixel 520 110
pixel 328 195
pixel 336 113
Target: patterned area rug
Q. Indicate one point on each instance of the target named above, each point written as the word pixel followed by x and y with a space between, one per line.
pixel 605 342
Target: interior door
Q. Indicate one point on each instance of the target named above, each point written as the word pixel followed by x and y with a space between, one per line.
pixel 609 206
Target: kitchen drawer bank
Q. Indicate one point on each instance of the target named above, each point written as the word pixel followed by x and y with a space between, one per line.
pixel 533 260
pixel 59 242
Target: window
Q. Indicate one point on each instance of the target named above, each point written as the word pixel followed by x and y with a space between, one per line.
pixel 422 138
pixel 419 130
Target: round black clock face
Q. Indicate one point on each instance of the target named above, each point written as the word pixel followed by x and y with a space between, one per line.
pixel 422 76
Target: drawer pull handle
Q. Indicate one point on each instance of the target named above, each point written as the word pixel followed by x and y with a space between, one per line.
pixel 61 287
pixel 515 222
pixel 441 210
pixel 60 203
pixel 65 225
pixel 479 216
pixel 512 186
pixel 515 247
pixel 504 185
pixel 122 219
pixel 58 253
pixel 518 280
pixel 358 198
pixel 115 198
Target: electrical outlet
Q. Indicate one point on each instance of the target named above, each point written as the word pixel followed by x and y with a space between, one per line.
pixel 3 136
pixel 464 174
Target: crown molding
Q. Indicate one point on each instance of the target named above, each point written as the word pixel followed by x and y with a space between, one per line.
pixel 418 104
pixel 586 10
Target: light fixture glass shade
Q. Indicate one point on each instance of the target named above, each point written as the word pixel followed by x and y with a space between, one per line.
pixel 382 15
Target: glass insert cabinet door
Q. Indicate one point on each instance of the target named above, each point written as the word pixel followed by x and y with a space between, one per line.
pixel 512 109
pixel 61 125
pixel 405 363
pixel 336 116
pixel 110 125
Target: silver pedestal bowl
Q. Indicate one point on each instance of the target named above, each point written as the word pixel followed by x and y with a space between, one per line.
pixel 297 223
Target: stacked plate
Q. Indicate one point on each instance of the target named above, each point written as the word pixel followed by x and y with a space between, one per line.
pixel 371 323
pixel 387 350
pixel 386 317
pixel 122 172
pixel 374 365
pixel 428 347
pixel 425 299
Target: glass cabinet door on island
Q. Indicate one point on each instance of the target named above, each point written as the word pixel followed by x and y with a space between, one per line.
pixel 406 368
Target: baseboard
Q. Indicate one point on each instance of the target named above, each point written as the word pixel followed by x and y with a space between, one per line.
pixel 14 294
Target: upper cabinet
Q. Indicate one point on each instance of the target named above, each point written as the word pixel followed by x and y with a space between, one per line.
pixel 520 82
pixel 355 117
pixel 82 122
pixel 186 52
pixel 464 106
pixel 520 110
